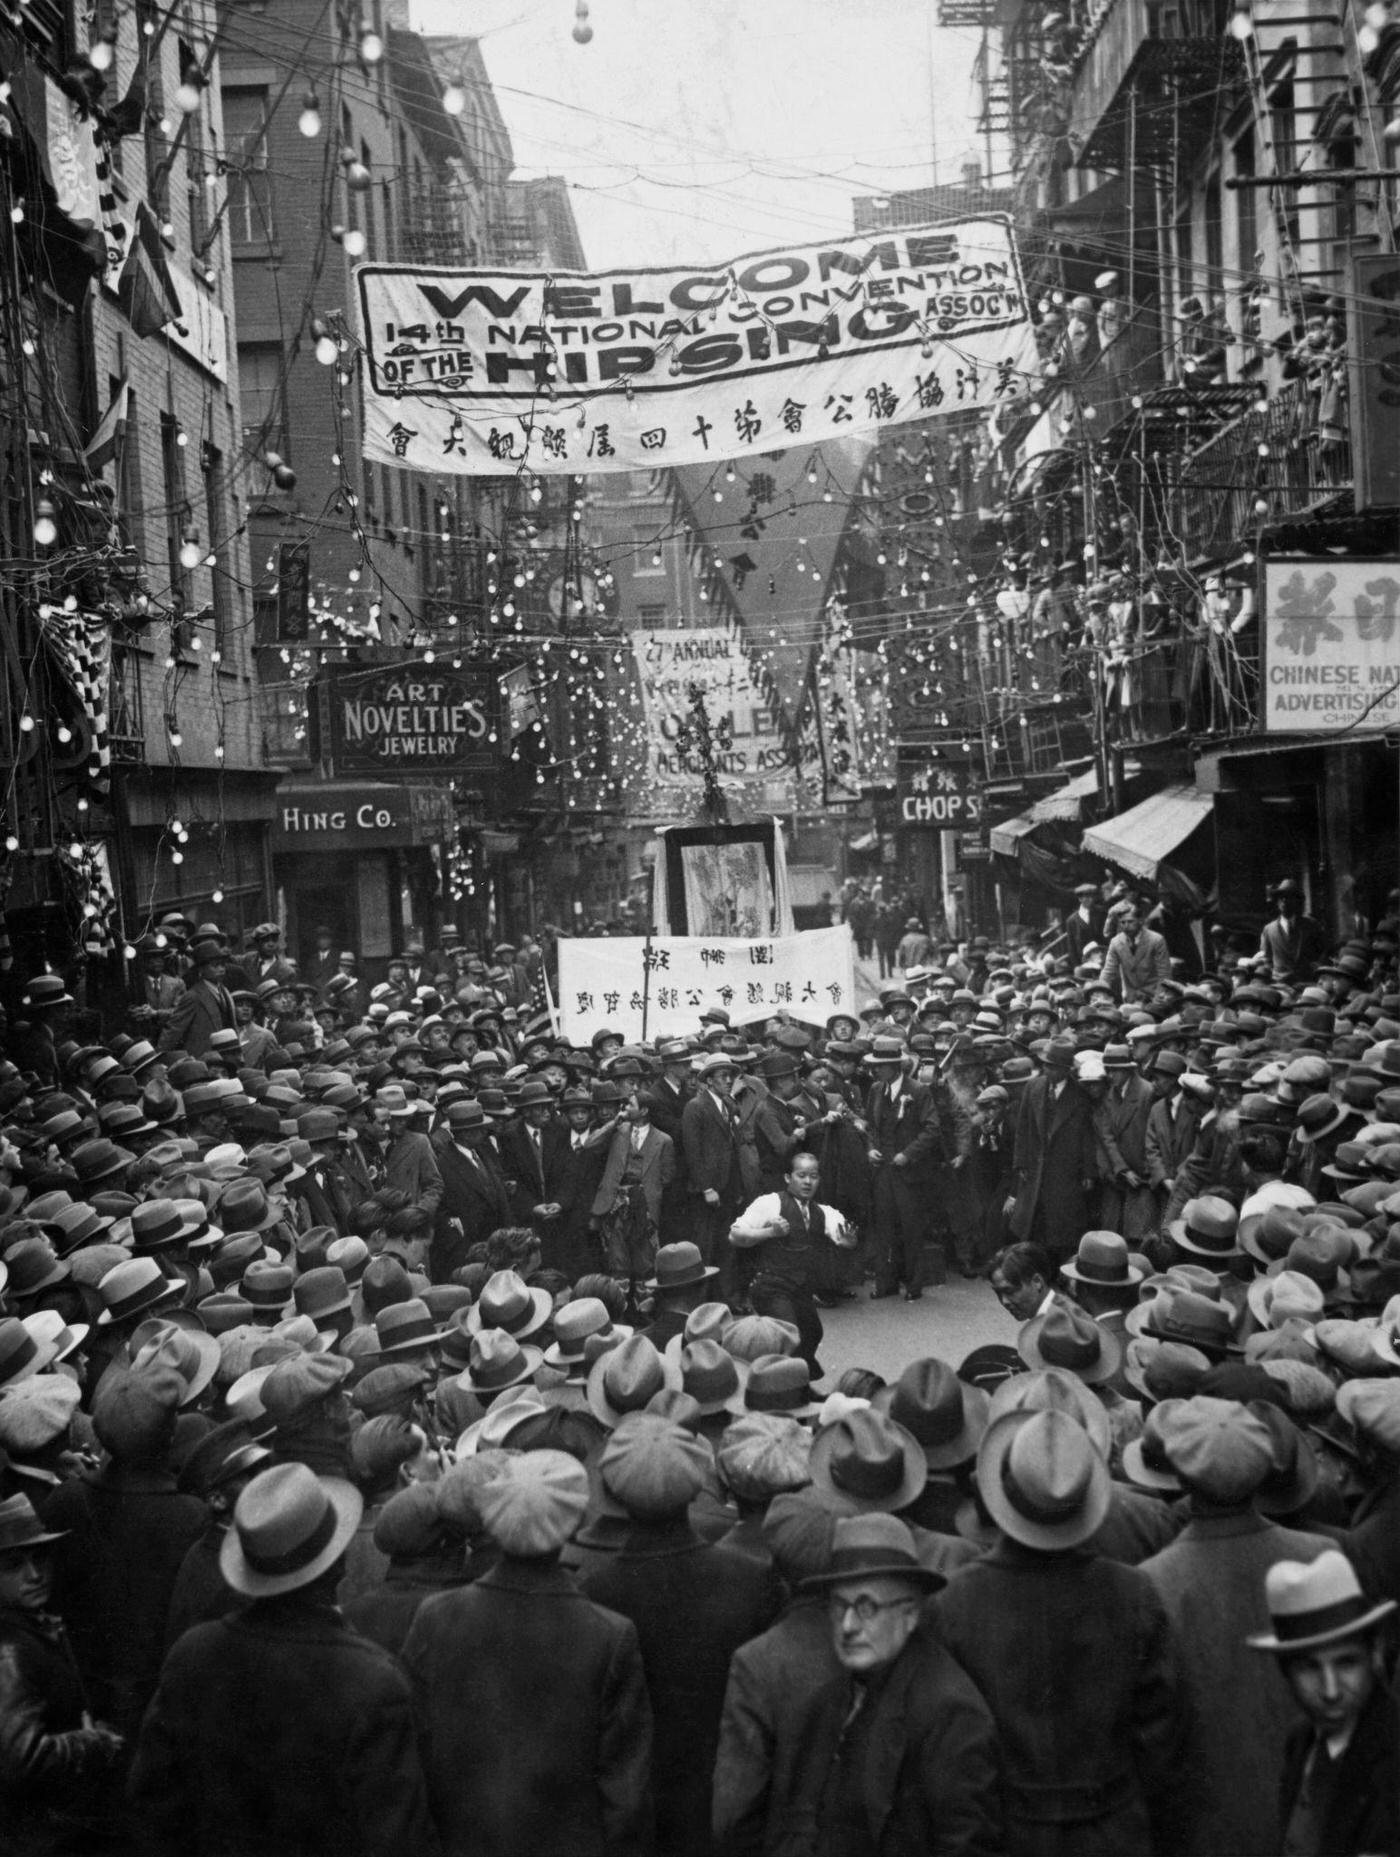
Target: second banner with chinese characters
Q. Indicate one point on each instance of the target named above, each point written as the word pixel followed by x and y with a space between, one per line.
pixel 617 981
pixel 483 372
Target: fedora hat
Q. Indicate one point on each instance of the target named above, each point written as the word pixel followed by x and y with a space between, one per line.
pixel 1312 1603
pixel 1159 1370
pixel 579 1319
pixel 22 1353
pixel 193 1354
pixel 1103 1259
pixel 1042 1481
pixel 21 1528
pixel 678 1266
pixel 874 1546
pixel 289 1526
pixel 708 1374
pixel 498 1361
pixel 509 1303
pixel 44 992
pixel 1192 1318
pixel 1145 1461
pixel 627 1377
pixel 777 1382
pixel 1289 1296
pixel 886 1053
pixel 516 1406
pixel 866 1462
pixel 945 1417
pixel 157 1224
pixel 244 1207
pixel 100 1159
pixel 1272 1233
pixel 1208 1227
pixel 1067 1336
pixel 135 1287
pixel 403 1327
pixel 48 1325
pixel 322 1294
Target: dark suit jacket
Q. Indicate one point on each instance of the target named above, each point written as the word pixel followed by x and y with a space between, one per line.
pixel 929 1768
pixel 199 1012
pixel 1054 1156
pixel 1361 1814
pixel 907 1126
pixel 693 1605
pixel 658 1166
pixel 280 1729
pixel 710 1143
pixel 535 1177
pixel 476 1197
pixel 536 1723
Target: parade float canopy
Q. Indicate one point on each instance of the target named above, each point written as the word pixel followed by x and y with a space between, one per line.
pixel 1142 838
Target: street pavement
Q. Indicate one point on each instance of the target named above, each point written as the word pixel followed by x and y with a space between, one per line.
pixel 949 1321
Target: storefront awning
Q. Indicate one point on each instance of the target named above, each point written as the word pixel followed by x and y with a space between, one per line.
pixel 1143 837
pixel 1004 837
pixel 1067 802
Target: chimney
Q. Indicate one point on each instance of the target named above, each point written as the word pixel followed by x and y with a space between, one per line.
pixel 972 176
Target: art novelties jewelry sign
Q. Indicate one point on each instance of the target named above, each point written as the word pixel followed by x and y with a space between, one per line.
pixel 408 718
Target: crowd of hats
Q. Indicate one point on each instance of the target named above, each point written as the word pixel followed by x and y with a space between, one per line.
pixel 161 1289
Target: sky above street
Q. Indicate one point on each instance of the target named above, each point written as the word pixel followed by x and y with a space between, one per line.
pixel 695 132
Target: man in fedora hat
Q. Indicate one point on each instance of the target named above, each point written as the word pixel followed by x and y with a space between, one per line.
pixel 59 1766
pixel 1054 1166
pixel 206 1005
pixel 1340 1766
pixel 1088 1766
pixel 906 1147
pixel 1126 1202
pixel 895 1750
pixel 534 1709
pixel 710 1145
pixel 1211 1581
pixel 1292 942
pixel 278 1728
pixel 638 1167
pixel 407 1161
pixel 475 1196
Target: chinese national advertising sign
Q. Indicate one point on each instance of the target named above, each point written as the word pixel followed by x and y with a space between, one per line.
pixel 486 371
pixel 614 980
pixel 1330 656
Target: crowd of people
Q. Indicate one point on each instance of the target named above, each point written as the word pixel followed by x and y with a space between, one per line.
pixel 414 1433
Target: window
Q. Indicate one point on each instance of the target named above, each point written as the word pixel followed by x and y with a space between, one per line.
pixel 1246 222
pixel 195 161
pixel 215 528
pixel 1215 235
pixel 264 403
pixel 386 496
pixel 651 618
pixel 250 218
pixel 172 461
pixel 1283 124
pixel 367 223
pixel 386 209
pixel 1185 267
pixel 648 555
pixel 131 520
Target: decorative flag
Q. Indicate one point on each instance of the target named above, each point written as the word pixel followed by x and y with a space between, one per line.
pixel 107 441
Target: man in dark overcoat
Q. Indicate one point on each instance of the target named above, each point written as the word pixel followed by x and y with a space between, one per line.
pixel 537 1727
pixel 279 1729
pixel 1053 1165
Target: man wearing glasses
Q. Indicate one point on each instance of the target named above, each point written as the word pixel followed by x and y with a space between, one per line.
pixel 898 1751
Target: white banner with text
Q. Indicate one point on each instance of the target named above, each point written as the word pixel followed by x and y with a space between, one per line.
pixel 485 372
pixel 626 984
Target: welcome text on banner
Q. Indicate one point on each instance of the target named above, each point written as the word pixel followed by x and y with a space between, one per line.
pixel 482 372
pixel 603 982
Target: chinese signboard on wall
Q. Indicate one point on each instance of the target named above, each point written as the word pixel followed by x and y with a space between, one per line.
pixel 483 372
pixel 408 718
pixel 1330 644
pixel 937 791
pixel 618 981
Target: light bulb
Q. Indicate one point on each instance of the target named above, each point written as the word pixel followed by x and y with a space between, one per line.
pixel 1241 24
pixel 325 350
pixel 454 100
pixel 309 122
pixel 45 528
pixel 189 554
pixel 177 857
pixel 216 896
pixel 371 46
pixel 64 733
pixel 187 97
pixel 354 242
pixel 101 55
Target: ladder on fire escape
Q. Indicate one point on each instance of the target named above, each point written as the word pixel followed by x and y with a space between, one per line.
pixel 1317 52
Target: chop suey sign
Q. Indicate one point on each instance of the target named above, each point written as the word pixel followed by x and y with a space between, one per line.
pixel 408 718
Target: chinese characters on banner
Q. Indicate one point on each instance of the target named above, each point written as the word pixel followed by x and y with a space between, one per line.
pixel 603 982
pixel 1330 644
pixel 483 372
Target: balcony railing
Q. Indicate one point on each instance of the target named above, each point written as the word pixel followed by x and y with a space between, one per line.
pixel 1145 68
pixel 126 715
pixel 1286 460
